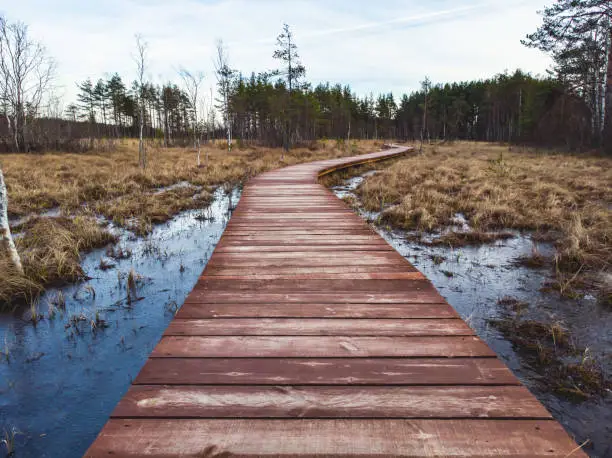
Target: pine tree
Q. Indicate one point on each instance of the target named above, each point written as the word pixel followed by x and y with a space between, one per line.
pixel 578 34
pixel 293 70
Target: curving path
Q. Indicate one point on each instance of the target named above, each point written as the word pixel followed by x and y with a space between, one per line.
pixel 308 335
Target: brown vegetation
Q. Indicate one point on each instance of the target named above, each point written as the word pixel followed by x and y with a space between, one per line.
pixel 560 197
pixel 110 184
pixel 568 369
pixel 50 252
pixel 70 181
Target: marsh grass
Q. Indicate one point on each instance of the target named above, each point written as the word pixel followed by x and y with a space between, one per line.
pixel 50 248
pixel 459 239
pixel 562 198
pixel 534 260
pixel 568 370
pixel 109 183
pixel 549 350
pixel 69 181
pixel 8 440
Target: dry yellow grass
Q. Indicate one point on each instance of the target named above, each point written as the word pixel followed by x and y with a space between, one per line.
pixel 565 198
pixel 69 181
pixel 50 252
pixel 111 184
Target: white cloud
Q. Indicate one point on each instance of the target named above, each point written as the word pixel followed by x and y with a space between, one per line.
pixel 373 46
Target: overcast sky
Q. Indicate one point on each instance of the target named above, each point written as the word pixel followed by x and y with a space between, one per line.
pixel 375 46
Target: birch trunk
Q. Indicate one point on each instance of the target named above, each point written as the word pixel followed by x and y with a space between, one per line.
pixel 197 147
pixel 348 134
pixel 607 132
pixel 6 240
pixel 142 152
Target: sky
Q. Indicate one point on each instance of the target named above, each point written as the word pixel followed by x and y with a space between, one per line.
pixel 374 46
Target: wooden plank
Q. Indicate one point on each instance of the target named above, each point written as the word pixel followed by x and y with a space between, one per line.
pixel 301 248
pixel 270 265
pixel 287 310
pixel 319 347
pixel 230 269
pixel 337 286
pixel 325 371
pixel 249 275
pixel 265 261
pixel 300 241
pixel 342 256
pixel 317 327
pixel 240 232
pixel 222 297
pixel 330 402
pixel 333 437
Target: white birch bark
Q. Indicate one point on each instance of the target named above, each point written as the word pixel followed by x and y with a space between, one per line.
pixel 225 76
pixel 193 81
pixel 141 65
pixel 6 240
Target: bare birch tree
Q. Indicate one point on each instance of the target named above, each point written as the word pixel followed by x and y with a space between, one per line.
pixel 141 66
pixel 26 74
pixel 426 86
pixel 192 86
pixel 6 240
pixel 225 76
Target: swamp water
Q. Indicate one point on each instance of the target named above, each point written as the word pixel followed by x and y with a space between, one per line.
pixel 473 279
pixel 61 378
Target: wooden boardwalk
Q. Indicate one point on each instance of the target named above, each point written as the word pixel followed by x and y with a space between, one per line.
pixel 308 335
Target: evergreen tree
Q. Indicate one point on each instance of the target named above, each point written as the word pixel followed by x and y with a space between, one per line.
pixel 578 34
pixel 293 70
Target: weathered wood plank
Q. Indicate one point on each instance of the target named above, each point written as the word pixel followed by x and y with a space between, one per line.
pixel 336 286
pixel 317 276
pixel 301 241
pixel 317 327
pixel 325 371
pixel 330 402
pixel 319 347
pixel 222 297
pixel 293 310
pixel 337 437
pixel 230 269
pixel 338 257
pixel 300 248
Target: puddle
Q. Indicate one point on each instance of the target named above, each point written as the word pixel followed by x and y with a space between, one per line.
pixel 54 212
pixel 472 279
pixel 63 377
pixel 179 185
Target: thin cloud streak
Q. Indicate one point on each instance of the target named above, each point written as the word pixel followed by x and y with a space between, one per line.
pixel 401 20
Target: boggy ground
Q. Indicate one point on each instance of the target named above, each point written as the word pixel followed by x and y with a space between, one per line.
pixel 548 321
pixel 490 189
pixel 469 194
pixel 61 204
pixel 462 194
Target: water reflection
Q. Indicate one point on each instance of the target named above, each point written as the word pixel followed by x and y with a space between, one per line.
pixel 60 379
pixel 473 279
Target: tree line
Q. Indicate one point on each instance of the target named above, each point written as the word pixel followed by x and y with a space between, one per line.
pixel 570 107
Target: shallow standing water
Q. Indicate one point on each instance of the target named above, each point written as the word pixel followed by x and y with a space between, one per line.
pixel 473 279
pixel 61 379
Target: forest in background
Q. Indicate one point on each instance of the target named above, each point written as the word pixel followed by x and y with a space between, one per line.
pixel 566 108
